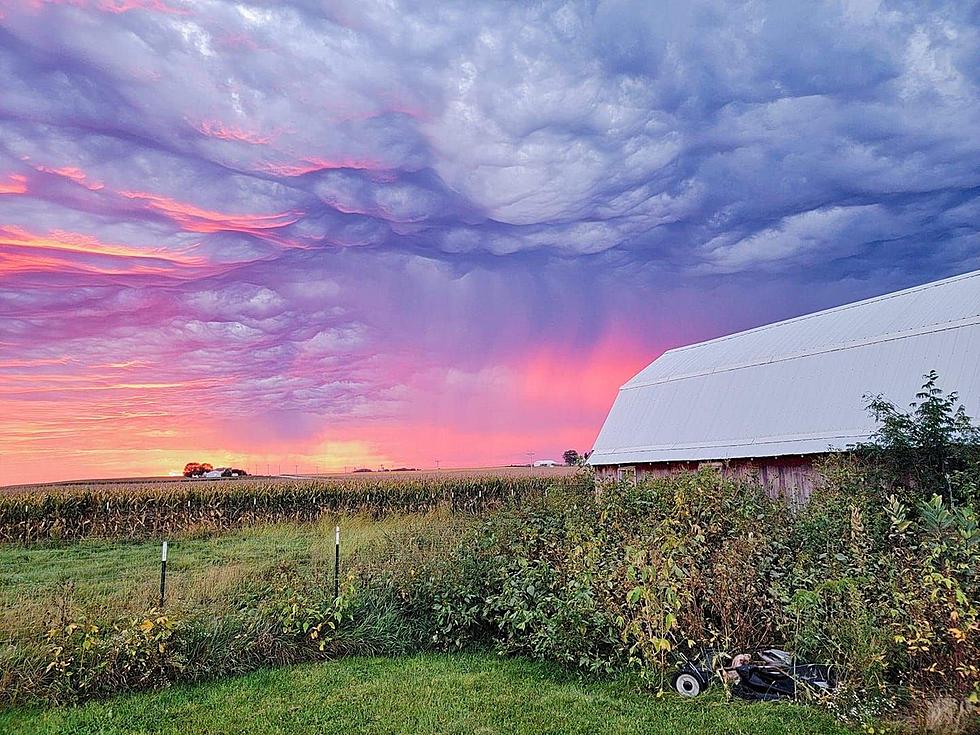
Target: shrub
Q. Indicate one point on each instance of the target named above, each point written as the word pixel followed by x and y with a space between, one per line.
pixel 932 448
pixel 937 620
pixel 86 660
pixel 886 593
pixel 544 599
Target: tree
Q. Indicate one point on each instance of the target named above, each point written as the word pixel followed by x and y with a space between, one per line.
pixel 196 469
pixel 571 457
pixel 932 448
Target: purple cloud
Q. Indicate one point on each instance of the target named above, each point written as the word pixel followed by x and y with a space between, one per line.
pixel 319 219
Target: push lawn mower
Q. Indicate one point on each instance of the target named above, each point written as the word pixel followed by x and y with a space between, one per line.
pixel 766 675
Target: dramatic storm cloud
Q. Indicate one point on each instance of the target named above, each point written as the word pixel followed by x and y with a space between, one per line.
pixel 354 232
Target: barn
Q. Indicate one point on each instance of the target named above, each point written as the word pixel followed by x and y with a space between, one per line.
pixel 769 402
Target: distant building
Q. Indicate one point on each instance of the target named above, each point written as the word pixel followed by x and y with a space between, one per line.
pixel 546 463
pixel 219 472
pixel 770 401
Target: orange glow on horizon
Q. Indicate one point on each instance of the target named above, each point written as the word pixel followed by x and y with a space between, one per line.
pixel 68 419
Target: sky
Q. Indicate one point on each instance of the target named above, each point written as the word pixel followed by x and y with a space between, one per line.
pixel 315 235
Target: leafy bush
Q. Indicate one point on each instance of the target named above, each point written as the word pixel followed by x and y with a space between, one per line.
pixel 937 611
pixel 86 660
pixel 933 448
pixel 544 598
pixel 885 591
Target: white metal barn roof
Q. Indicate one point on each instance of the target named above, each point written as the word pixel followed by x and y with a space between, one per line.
pixel 798 386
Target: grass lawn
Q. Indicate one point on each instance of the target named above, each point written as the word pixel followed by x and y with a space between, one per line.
pixel 419 694
pixel 101 579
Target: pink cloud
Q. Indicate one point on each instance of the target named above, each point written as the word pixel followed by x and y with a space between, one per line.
pixel 217 129
pixel 15 184
pixel 14 236
pixel 116 7
pixel 312 165
pixel 73 174
pixel 197 219
pixel 551 378
pixel 59 250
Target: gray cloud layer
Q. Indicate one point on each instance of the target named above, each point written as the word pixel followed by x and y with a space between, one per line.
pixel 720 137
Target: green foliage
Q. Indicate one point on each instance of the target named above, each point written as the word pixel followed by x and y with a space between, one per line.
pixel 620 579
pixel 938 611
pixel 301 612
pixel 626 577
pixel 934 447
pixel 542 598
pixel 85 660
pixel 289 620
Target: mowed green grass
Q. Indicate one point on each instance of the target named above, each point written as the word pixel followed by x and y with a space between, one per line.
pixel 103 579
pixel 420 694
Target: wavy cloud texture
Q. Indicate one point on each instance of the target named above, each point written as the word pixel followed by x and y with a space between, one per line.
pixel 372 232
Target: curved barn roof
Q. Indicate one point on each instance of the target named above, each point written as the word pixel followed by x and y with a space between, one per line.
pixel 798 386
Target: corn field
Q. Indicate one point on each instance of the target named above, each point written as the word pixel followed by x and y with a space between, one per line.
pixel 141 510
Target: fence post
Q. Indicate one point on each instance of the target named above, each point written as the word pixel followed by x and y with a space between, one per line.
pixel 163 573
pixel 336 563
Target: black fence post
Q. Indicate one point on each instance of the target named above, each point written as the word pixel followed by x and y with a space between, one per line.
pixel 163 573
pixel 336 563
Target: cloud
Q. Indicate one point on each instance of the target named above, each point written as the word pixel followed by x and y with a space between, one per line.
pixel 807 235
pixel 355 221
pixel 611 121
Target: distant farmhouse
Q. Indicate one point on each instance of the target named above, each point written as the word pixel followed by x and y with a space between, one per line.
pixel 770 401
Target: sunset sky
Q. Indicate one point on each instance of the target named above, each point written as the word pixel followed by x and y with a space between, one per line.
pixel 328 234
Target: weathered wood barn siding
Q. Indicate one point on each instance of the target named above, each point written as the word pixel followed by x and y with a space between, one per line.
pixel 790 477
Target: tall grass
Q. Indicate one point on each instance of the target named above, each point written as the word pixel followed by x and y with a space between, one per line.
pixel 103 579
pixel 152 510
pixel 80 620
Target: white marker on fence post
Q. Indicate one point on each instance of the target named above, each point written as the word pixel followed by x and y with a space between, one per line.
pixel 163 572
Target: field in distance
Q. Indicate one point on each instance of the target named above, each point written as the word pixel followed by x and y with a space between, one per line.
pixel 126 483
